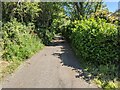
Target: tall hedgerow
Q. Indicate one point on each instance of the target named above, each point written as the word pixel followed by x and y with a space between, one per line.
pixel 96 43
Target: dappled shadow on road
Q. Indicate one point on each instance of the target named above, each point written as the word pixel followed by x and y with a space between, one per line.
pixel 57 41
pixel 69 59
pixel 84 69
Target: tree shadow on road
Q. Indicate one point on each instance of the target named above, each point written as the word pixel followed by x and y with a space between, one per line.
pixel 84 69
pixel 69 59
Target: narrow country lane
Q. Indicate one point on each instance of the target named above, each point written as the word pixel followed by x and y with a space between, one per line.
pixel 53 67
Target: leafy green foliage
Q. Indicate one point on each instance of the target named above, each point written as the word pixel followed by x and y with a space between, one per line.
pixel 95 42
pixel 108 16
pixel 24 12
pixel 93 39
pixel 19 41
pixel 78 10
pixel 46 35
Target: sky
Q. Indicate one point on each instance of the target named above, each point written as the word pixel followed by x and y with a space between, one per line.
pixel 112 6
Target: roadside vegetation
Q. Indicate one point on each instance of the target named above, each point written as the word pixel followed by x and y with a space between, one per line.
pixel 89 27
pixel 94 42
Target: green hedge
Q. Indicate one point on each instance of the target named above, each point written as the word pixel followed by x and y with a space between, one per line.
pixel 95 41
pixel 20 41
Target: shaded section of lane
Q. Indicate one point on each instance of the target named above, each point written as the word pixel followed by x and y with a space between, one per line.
pixel 54 67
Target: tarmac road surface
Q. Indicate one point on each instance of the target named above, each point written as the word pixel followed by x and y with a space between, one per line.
pixel 53 67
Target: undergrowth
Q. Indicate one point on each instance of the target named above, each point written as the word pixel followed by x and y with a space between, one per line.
pixel 20 43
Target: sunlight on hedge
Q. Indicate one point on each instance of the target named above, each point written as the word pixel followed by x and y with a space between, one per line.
pixel 95 42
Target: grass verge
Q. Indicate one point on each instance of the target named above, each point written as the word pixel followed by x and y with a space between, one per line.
pixel 7 68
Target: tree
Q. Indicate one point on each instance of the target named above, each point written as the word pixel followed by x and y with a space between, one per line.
pixel 77 10
pixel 24 12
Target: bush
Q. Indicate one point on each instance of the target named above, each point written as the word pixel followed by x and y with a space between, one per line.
pixel 45 34
pixel 95 41
pixel 19 41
